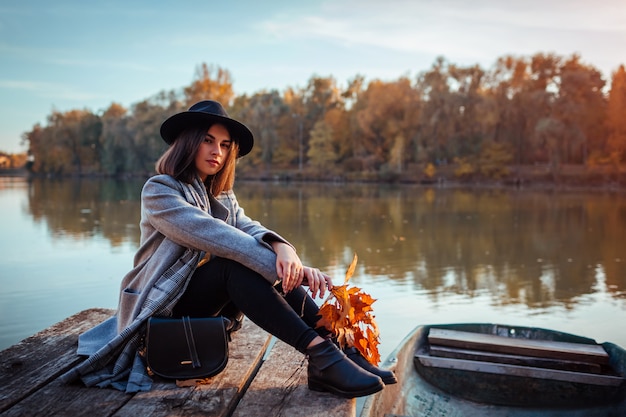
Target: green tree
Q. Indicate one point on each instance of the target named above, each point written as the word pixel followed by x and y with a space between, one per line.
pixel 553 134
pixel 469 113
pixel 435 127
pixel 536 102
pixel 581 106
pixel 145 144
pixel 114 140
pixel 504 87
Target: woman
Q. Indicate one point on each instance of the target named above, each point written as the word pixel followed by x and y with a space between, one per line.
pixel 201 256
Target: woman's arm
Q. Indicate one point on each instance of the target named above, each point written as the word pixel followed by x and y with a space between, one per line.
pixel 166 210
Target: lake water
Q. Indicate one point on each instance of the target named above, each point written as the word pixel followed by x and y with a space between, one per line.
pixel 428 255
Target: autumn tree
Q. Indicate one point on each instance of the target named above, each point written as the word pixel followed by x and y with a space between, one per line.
pixel 321 153
pixel 388 115
pixel 525 110
pixel 337 119
pixel 68 144
pixel 264 114
pixel 616 117
pixel 293 129
pixel 209 83
pixel 320 96
pixel 35 139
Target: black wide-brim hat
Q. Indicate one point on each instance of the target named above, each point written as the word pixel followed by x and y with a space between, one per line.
pixel 207 112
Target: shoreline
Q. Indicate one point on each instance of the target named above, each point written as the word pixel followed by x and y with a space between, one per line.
pixel 572 181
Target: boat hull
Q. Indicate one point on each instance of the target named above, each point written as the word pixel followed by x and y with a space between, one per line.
pixel 511 389
pixel 425 394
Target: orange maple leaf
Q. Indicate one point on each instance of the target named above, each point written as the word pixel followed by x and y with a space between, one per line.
pixel 347 314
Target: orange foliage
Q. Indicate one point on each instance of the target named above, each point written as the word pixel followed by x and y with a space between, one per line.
pixel 347 313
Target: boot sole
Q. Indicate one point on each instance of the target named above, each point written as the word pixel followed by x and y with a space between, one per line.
pixel 363 364
pixel 390 380
pixel 322 387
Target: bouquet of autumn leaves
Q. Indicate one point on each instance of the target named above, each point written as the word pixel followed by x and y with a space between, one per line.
pixel 347 314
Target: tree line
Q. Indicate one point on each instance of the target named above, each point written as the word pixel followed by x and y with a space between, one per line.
pixel 542 109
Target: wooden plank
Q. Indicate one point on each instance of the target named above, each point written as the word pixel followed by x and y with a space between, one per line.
pixel 280 389
pixel 219 396
pixel 71 400
pixel 518 346
pixel 37 360
pixel 519 371
pixel 30 386
pixel 478 355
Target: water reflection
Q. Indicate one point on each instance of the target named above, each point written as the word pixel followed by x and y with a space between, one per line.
pixel 529 247
pixel 83 208
pixel 535 248
pixel 520 253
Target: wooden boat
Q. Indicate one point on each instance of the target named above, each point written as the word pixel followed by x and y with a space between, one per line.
pixel 478 369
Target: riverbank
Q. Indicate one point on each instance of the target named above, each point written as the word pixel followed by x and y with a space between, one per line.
pixel 569 177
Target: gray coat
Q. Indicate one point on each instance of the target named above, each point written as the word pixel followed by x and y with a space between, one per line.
pixel 180 223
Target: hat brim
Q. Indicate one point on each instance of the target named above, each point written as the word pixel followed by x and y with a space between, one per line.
pixel 173 126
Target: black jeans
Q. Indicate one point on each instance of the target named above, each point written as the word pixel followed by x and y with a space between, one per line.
pixel 221 284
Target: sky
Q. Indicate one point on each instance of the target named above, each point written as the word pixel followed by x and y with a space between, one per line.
pixel 74 54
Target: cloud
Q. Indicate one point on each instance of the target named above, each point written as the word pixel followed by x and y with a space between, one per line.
pixel 49 90
pixel 473 32
pixel 100 64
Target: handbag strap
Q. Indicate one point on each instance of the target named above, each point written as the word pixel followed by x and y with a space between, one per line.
pixel 191 343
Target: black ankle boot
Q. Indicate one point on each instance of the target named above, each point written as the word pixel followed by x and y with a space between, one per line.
pixel 355 356
pixel 330 370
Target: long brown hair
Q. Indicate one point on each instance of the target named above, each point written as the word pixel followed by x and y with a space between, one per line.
pixel 179 161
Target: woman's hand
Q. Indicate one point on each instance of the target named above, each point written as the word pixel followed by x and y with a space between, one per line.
pixel 317 281
pixel 288 266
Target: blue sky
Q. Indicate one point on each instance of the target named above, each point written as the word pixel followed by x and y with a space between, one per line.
pixel 69 54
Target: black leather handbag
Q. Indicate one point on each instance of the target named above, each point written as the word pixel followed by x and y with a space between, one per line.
pixel 187 348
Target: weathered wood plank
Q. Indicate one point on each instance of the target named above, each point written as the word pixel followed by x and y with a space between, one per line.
pixel 520 371
pixel 280 389
pixel 37 360
pixel 478 355
pixel 277 386
pixel 215 398
pixel 219 396
pixel 71 400
pixel 517 346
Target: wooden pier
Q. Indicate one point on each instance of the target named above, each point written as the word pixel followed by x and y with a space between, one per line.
pixel 262 378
